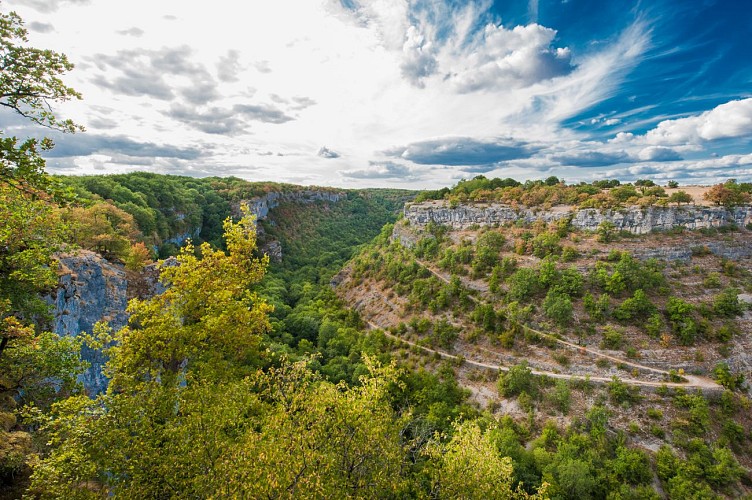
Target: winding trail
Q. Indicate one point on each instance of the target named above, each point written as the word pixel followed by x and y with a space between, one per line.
pixel 692 381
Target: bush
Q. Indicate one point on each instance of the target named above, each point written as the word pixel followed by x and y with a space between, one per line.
pixel 654 325
pixel 612 339
pixel 622 393
pixel 681 315
pixel 561 396
pixel 518 379
pixel 523 284
pixel 545 244
pixel 727 303
pixel 558 307
pixel 636 307
pixel 722 374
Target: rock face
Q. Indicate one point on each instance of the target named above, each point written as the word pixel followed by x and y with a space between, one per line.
pixel 261 205
pixel 90 289
pixel 634 220
pixel 180 239
pixel 273 249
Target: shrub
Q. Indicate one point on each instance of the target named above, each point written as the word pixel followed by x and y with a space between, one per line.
pixel 654 325
pixel 518 379
pixel 558 307
pixel 612 339
pixel 561 396
pixel 680 314
pixel 722 374
pixel 523 284
pixel 636 307
pixel 545 244
pixel 621 393
pixel 712 280
pixel 655 414
pixel 727 303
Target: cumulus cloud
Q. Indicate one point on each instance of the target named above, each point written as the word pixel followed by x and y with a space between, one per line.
pixel 591 158
pixel 228 66
pixel 303 102
pixel 263 66
pixel 135 83
pixel 90 144
pixel 419 60
pixel 232 121
pixel 41 27
pixel 50 5
pixel 500 58
pixel 461 151
pixel 141 72
pixel 658 153
pixel 101 122
pixel 325 152
pixel 731 119
pixel 380 170
pixel 134 31
pixel 443 39
pixel 707 171
pixel 296 103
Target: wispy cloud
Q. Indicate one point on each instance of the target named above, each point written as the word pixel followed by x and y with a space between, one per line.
pixel 416 91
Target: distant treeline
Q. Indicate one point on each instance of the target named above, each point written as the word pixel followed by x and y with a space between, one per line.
pixel 167 208
pixel 606 193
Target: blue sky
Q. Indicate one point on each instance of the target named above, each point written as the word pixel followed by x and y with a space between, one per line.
pixel 403 93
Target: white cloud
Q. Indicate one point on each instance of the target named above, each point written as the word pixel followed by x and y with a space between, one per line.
pixel 731 119
pixel 442 80
pixel 499 58
pixel 381 170
pixel 657 153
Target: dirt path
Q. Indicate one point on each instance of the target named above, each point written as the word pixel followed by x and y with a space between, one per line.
pixel 692 380
pixel 689 384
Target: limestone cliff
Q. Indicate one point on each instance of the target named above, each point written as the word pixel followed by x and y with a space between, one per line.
pixel 634 219
pixel 261 205
pixel 90 289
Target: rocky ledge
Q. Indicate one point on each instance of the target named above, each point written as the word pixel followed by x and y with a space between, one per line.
pixel 261 205
pixel 635 220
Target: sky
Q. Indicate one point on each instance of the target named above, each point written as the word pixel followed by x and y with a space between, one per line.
pixel 401 93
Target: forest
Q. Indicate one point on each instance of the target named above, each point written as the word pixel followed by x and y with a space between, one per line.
pixel 345 368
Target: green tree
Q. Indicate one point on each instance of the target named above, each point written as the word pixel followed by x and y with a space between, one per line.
pixel 35 366
pixel 680 197
pixel 681 315
pixel 487 251
pixel 468 466
pixel 558 307
pixel 518 379
pixel 606 231
pixel 30 83
pixel 637 307
pixel 206 324
pixel 727 303
pixel 200 336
